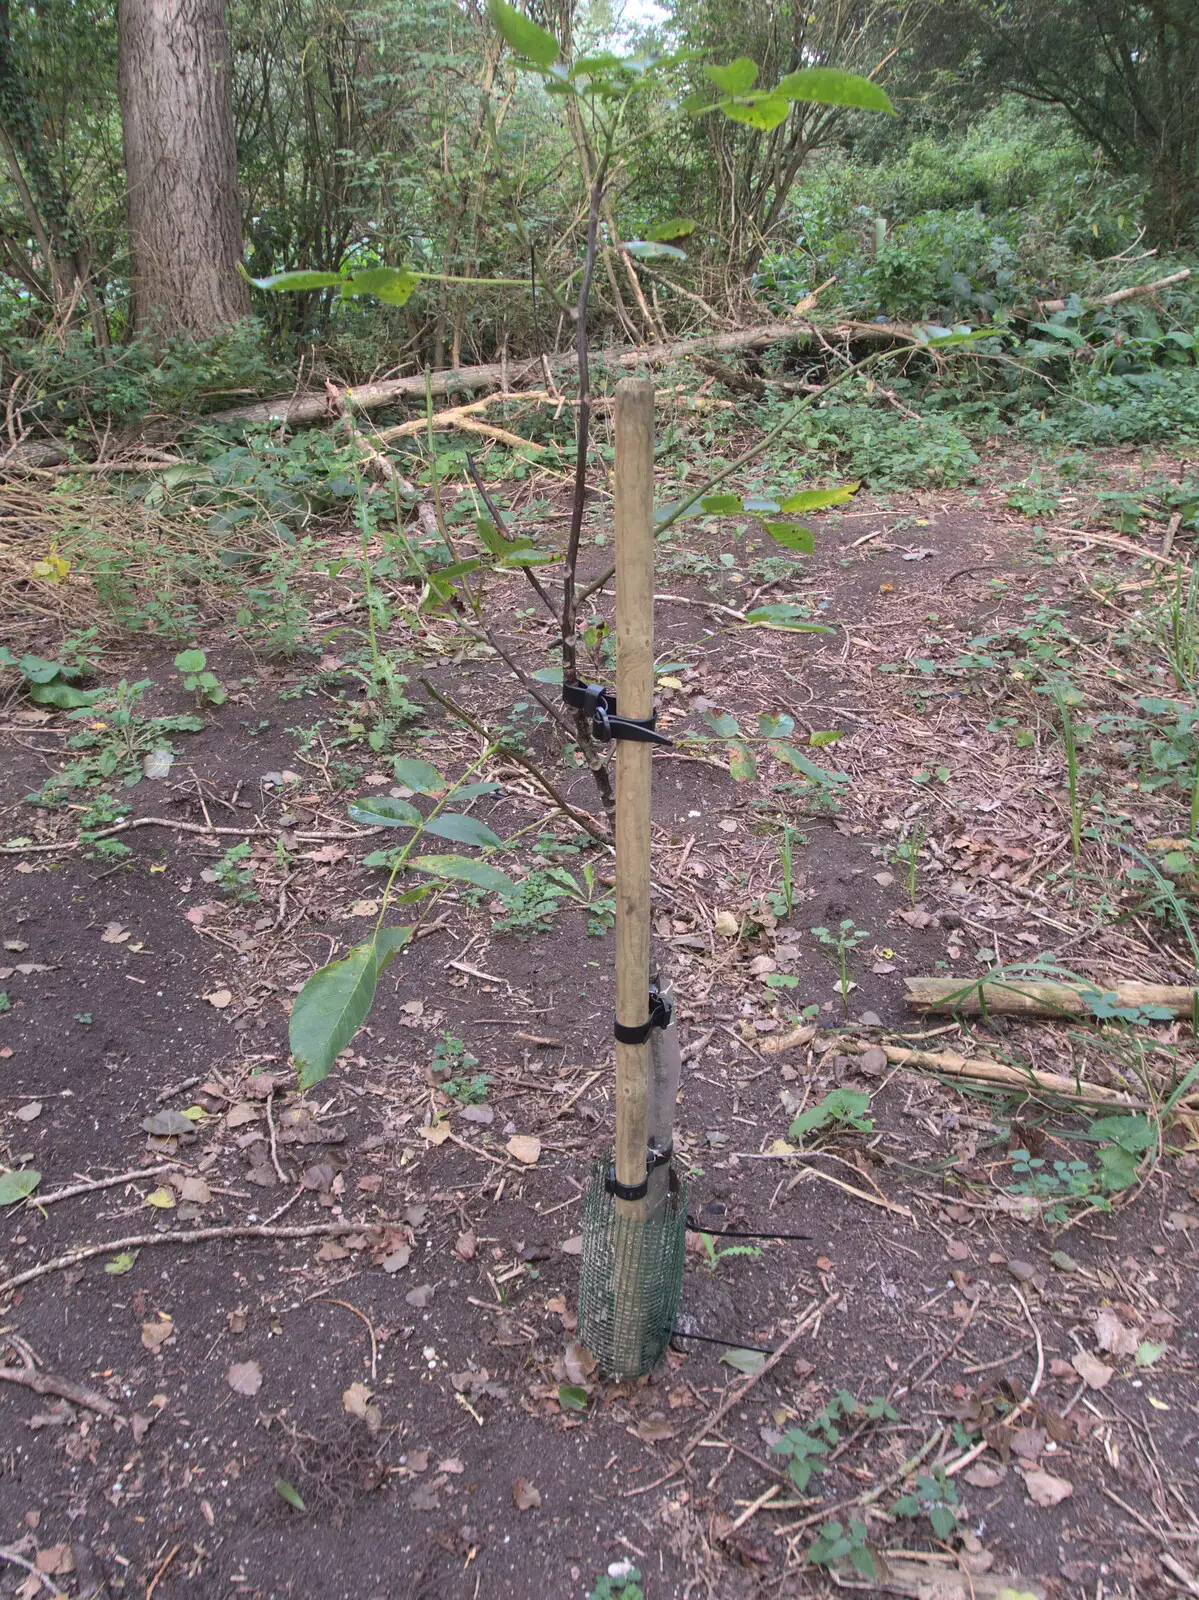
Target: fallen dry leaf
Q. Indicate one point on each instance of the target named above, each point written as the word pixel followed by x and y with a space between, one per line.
pixel 114 933
pixel 421 1296
pixel 397 1259
pixel 453 1464
pixel 244 1377
pixel 1046 1490
pixel 579 1362
pixel 55 1560
pixel 524 1147
pixel 572 1246
pixel 1112 1335
pixel 161 1198
pixel 525 1495
pixel 981 1476
pixel 1093 1372
pixel 356 1402
pixel 654 1429
pixel 219 998
pixel 466 1247
pixel 196 1191
pixel 156 1334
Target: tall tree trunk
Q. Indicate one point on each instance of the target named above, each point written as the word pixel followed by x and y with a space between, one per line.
pixel 181 165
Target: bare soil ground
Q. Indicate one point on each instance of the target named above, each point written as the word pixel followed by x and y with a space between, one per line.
pixel 364 1296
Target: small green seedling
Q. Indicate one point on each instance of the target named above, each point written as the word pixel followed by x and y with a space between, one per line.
pixel 846 939
pixel 840 1108
pixel 935 1497
pixel 452 1067
pixel 231 877
pixel 197 679
pixel 716 1256
pixel 836 1543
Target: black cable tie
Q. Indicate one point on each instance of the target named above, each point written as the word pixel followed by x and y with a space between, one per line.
pixel 599 704
pixel 625 1191
pixel 695 1226
pixel 660 1012
pixel 730 1344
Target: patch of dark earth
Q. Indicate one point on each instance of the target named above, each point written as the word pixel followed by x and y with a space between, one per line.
pixel 400 1378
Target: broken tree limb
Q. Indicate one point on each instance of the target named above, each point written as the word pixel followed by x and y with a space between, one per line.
pixel 1118 296
pixel 28 1376
pixel 146 1241
pixel 982 1069
pixel 314 406
pixel 1025 997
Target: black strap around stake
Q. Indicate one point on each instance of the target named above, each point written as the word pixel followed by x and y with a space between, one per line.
pixel 660 1013
pixel 598 703
pixel 637 1191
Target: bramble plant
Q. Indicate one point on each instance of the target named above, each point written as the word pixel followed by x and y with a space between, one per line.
pixel 453 1066
pixel 849 1543
pixel 803 1447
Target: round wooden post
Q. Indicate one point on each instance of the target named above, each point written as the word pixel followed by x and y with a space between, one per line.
pixel 634 521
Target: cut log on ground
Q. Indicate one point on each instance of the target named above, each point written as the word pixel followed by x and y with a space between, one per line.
pixel 1040 999
pixel 495 375
pixel 981 1069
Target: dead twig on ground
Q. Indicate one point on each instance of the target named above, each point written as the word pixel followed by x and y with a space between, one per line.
pixel 28 1376
pixel 73 1189
pixel 146 1241
pixel 19 1561
pixel 983 1069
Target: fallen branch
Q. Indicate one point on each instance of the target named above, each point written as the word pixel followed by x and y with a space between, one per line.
pixel 101 1183
pixel 181 827
pixel 1040 998
pixel 1120 295
pixel 146 1241
pixel 27 1376
pixel 982 1069
pixel 19 1561
pixel 313 407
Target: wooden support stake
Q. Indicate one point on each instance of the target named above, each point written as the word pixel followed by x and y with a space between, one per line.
pixel 634 522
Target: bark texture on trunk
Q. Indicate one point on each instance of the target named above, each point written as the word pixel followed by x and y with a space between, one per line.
pixel 181 165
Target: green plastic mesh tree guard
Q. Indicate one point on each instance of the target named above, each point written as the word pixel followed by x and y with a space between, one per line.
pixel 631 1278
